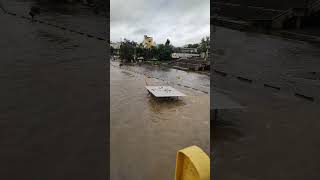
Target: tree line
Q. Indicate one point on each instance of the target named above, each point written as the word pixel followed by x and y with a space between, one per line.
pixel 203 46
pixel 130 51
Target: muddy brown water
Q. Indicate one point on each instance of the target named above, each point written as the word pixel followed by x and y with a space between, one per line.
pixel 146 132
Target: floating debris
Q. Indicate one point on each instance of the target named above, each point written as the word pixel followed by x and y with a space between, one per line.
pixel 164 91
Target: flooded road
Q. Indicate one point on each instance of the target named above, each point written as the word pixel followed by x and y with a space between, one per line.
pixel 72 16
pixel 52 102
pixel 268 59
pixel 146 132
pixel 275 135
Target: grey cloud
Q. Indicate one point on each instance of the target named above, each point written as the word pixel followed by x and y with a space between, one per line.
pixel 182 21
pixel 140 31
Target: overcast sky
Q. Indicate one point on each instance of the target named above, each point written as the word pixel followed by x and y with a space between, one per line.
pixel 182 21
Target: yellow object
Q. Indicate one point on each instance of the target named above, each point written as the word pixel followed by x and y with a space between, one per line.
pixel 148 42
pixel 192 164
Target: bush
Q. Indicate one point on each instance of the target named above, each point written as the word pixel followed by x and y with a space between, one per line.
pixel 127 50
pixel 165 51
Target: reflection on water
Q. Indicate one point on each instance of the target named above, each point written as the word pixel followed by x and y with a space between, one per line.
pixel 147 132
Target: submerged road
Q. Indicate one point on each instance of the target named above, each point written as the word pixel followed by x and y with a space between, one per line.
pixel 265 59
pixel 146 133
pixel 52 120
pixel 275 135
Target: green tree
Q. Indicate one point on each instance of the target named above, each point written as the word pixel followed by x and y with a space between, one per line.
pixel 192 45
pixel 112 51
pixel 167 42
pixel 164 51
pixel 127 50
pixel 141 51
pixel 204 44
pixel 153 53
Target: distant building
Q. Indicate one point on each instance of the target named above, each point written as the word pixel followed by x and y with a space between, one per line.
pixel 188 50
pixel 184 52
pixel 148 42
pixel 184 55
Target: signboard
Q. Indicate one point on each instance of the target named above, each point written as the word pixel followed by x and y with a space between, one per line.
pixel 164 91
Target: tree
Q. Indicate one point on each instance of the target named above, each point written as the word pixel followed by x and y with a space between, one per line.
pixel 111 51
pixel 140 51
pixel 164 51
pixel 204 44
pixel 192 45
pixel 153 53
pixel 127 50
pixel 167 42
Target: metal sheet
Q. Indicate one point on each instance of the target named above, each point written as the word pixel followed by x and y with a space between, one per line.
pixel 164 91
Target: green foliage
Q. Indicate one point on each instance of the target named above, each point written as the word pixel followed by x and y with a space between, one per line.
pixel 204 44
pixel 163 51
pixel 167 42
pixel 192 45
pixel 112 51
pixel 127 50
pixel 141 51
pixel 153 53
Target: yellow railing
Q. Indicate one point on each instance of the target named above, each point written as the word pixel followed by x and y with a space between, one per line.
pixel 192 163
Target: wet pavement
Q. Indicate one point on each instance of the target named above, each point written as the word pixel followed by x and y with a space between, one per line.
pixel 52 98
pixel 275 135
pixel 187 79
pixel 268 59
pixel 146 132
pixel 72 16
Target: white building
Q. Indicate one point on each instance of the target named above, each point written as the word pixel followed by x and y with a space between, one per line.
pixel 184 52
pixel 188 50
pixel 184 55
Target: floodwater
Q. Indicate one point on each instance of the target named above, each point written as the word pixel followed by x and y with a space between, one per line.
pixel 71 16
pixel 51 81
pixel 275 135
pixel 146 132
pixel 268 59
